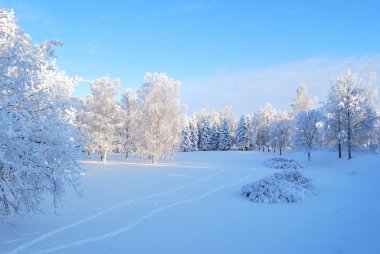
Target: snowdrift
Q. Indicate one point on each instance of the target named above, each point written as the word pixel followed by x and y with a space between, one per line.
pixel 282 163
pixel 284 187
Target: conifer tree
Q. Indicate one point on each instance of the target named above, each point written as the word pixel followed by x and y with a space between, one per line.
pixel 205 143
pixel 186 142
pixel 193 134
pixel 224 136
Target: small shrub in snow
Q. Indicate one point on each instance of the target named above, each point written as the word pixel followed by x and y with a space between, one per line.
pixel 282 163
pixel 284 187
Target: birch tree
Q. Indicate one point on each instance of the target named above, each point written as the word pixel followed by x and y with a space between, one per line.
pixel 263 120
pixel 281 131
pixel 160 117
pixel 38 144
pixel 101 117
pixel 128 128
pixel 303 102
pixel 351 107
pixel 308 130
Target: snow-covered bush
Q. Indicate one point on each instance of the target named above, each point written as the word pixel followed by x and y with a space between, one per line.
pixel 284 187
pixel 282 163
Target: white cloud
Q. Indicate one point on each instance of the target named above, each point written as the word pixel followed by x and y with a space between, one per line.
pixel 249 90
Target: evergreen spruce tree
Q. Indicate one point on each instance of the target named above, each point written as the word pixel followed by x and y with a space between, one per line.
pixel 206 134
pixel 186 143
pixel 242 134
pixel 193 134
pixel 225 139
pixel 215 136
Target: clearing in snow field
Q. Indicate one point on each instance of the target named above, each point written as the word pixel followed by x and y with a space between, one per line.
pixel 194 205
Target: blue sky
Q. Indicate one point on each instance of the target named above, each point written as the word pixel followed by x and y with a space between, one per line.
pixel 203 42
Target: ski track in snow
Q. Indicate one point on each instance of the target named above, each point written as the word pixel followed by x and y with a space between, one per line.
pixel 14 240
pixel 26 245
pixel 141 220
pixel 179 175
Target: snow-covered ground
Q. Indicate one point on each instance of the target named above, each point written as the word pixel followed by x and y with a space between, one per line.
pixel 193 205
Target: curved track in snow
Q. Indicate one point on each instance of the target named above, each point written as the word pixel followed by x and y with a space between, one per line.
pixel 140 220
pixel 44 236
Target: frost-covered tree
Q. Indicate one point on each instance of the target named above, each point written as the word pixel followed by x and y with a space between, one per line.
pixel 263 120
pixel 243 139
pixel 215 134
pixel 198 116
pixel 160 117
pixel 127 129
pixel 193 134
pixel 308 131
pixel 205 142
pixel 351 110
pixel 376 132
pixel 281 131
pixel 225 140
pixel 334 132
pixel 215 119
pixel 227 114
pixel 186 142
pixel 101 117
pixel 303 102
pixel 38 144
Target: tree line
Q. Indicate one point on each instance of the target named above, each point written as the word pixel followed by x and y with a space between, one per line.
pixel 348 120
pixel 152 122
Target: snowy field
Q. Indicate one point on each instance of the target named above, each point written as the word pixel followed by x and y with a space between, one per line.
pixel 193 205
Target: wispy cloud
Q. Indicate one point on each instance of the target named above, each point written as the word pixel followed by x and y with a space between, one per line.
pixel 247 91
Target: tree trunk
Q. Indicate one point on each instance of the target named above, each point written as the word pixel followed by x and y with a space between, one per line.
pixel 340 149
pixel 349 135
pixel 339 141
pixel 103 156
pixel 280 151
pixel 126 155
pixel 308 156
pixel 349 131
